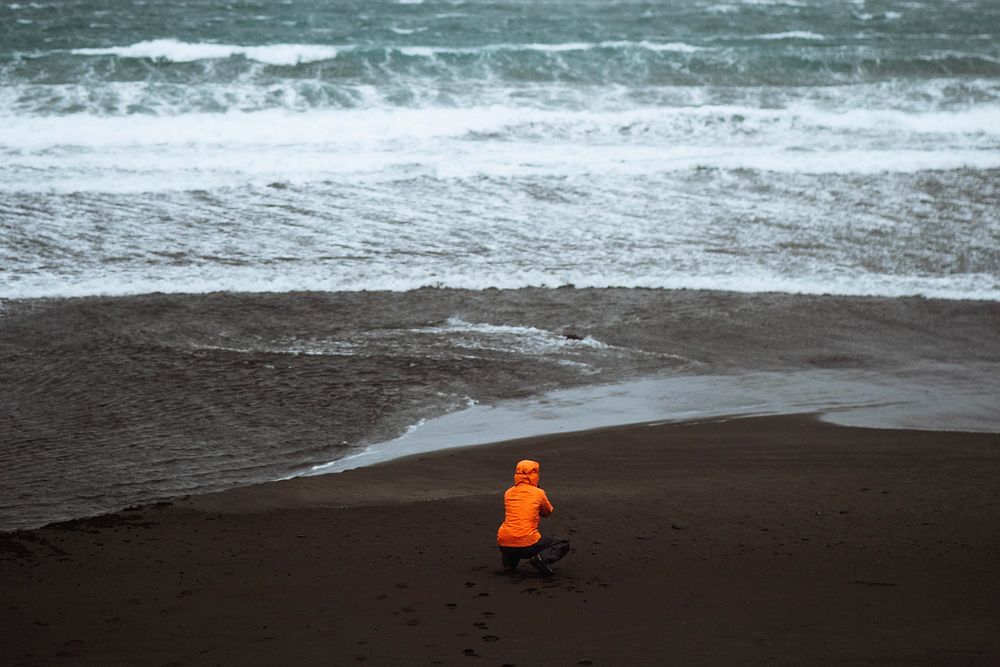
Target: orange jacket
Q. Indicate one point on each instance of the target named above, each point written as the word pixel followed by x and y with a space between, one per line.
pixel 524 504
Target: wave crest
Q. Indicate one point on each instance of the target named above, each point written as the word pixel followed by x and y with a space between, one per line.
pixel 172 50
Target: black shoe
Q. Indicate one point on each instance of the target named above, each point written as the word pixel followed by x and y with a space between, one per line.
pixel 539 564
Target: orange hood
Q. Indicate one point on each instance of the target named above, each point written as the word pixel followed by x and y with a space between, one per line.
pixel 526 472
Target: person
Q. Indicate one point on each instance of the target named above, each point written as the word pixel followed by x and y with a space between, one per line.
pixel 518 537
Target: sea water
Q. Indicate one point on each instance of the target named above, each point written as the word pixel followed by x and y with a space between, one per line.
pixel 276 145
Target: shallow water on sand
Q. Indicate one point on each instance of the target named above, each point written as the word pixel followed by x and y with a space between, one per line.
pixel 937 397
pixel 115 401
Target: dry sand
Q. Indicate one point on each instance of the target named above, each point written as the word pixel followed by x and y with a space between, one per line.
pixel 779 540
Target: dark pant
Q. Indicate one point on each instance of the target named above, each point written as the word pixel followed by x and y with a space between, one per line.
pixel 549 549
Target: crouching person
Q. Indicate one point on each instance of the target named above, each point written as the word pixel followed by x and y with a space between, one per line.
pixel 518 537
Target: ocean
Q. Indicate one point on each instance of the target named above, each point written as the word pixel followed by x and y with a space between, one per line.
pixel 805 146
pixel 242 240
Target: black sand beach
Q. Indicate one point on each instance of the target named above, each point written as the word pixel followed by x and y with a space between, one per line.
pixel 778 540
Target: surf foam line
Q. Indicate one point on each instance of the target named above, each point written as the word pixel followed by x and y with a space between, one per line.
pixel 792 34
pixel 176 51
pixel 959 287
pixel 940 397
pixel 172 50
pixel 698 126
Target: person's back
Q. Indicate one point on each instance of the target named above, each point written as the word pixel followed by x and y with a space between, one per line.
pixel 518 536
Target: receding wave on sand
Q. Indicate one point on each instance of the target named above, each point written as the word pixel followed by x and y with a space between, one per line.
pixel 113 401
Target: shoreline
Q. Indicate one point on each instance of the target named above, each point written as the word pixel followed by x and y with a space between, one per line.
pixel 781 539
pixel 55 298
pixel 845 398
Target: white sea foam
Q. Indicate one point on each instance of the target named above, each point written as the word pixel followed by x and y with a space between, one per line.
pixel 176 51
pixel 455 334
pixel 281 127
pixel 407 31
pixel 887 16
pixel 771 3
pixel 682 195
pixel 505 337
pixel 235 166
pixel 562 47
pixel 792 34
pixel 427 51
pixel 172 50
pixel 120 98
pixel 551 48
pixel 263 128
pixel 676 47
pixel 392 277
pixel 981 120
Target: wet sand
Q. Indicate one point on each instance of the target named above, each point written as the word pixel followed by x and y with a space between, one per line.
pixel 778 540
pixel 110 402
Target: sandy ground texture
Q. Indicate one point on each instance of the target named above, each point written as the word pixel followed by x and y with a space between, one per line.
pixel 778 540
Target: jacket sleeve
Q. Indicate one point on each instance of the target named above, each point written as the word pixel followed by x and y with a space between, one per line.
pixel 545 508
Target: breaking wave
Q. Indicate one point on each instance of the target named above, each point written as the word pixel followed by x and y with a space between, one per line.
pixel 172 50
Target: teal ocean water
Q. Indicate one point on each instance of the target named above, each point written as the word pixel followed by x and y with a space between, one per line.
pixel 753 145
